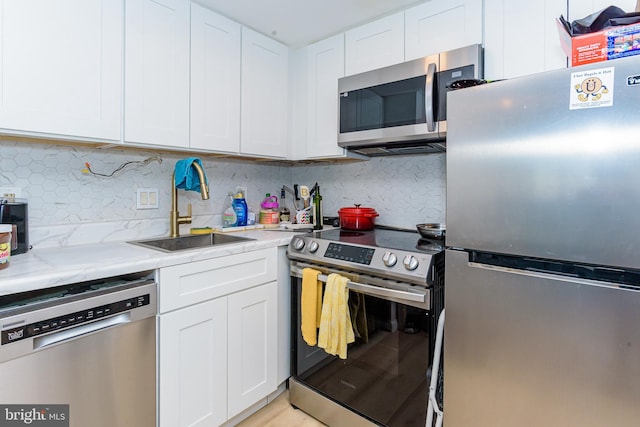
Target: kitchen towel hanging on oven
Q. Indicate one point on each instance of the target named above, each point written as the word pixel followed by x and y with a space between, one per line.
pixel 310 305
pixel 336 331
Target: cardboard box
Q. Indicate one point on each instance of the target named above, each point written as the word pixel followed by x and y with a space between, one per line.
pixel 611 43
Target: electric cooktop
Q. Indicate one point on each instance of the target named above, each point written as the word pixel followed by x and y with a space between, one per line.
pixel 386 252
pixel 383 237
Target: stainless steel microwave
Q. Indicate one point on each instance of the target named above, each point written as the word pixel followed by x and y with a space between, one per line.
pixel 402 109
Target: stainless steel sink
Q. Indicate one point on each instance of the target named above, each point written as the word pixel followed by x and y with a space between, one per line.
pixel 198 241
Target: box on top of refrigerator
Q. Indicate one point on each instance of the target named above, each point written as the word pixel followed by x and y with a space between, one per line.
pixel 602 45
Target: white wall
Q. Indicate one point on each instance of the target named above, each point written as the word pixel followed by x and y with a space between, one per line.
pixel 69 207
pixel 404 190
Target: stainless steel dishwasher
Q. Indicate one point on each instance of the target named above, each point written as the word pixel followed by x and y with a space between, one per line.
pixel 89 345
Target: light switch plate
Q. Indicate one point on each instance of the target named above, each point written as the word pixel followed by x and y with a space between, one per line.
pixel 147 198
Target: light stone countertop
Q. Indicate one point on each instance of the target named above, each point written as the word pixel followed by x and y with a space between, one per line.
pixel 50 267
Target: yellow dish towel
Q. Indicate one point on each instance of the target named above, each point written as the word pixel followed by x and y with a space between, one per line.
pixel 311 304
pixel 336 330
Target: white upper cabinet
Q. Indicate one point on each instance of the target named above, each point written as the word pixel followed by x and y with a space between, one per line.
pixel 325 65
pixel 157 72
pixel 215 81
pixel 441 25
pixel 60 68
pixel 521 37
pixel 375 45
pixel 263 127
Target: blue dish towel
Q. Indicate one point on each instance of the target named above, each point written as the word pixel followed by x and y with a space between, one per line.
pixel 186 176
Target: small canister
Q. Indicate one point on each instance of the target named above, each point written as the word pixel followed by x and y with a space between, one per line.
pixel 269 213
pixel 5 245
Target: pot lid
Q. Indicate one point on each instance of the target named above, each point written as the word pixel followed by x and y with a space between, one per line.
pixel 357 210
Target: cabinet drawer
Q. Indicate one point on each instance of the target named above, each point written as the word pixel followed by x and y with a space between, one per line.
pixel 186 284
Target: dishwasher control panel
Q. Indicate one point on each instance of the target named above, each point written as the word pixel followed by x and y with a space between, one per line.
pixel 73 319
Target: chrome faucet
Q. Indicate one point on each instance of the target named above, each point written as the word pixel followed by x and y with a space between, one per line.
pixel 175 219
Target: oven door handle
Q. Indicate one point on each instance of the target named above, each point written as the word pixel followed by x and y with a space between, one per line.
pixel 384 292
pixel 376 291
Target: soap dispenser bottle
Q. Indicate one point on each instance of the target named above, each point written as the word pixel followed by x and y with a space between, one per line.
pixel 240 206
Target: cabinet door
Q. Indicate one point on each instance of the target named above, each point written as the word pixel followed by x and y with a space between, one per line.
pixel 521 37
pixel 193 365
pixel 253 342
pixel 442 25
pixel 61 67
pixel 325 65
pixel 157 72
pixel 264 96
pixel 579 9
pixel 215 81
pixel 375 45
pixel 284 316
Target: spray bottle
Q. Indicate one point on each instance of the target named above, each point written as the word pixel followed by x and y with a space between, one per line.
pixel 229 218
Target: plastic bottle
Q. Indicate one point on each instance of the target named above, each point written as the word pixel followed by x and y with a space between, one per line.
pixel 269 213
pixel 317 208
pixel 5 245
pixel 229 218
pixel 240 206
pixel 251 217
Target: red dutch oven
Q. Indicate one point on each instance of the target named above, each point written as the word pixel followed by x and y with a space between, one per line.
pixel 357 218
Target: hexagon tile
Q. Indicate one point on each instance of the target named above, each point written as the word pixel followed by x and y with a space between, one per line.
pixel 68 206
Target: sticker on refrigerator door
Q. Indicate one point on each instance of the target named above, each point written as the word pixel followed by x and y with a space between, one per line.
pixel 592 88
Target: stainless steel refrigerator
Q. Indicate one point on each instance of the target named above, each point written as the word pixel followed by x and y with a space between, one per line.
pixel 543 259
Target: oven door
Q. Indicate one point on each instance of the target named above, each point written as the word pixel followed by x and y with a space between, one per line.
pixel 384 378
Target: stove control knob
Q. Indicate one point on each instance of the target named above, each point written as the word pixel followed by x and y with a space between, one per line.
pixel 410 262
pixel 389 259
pixel 313 246
pixel 298 244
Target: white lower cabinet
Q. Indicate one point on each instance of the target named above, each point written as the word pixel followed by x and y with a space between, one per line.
pixel 252 340
pixel 217 357
pixel 193 365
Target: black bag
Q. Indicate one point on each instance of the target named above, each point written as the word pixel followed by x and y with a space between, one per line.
pixel 611 16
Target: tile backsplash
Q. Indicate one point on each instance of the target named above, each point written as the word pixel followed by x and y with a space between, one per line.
pixel 68 206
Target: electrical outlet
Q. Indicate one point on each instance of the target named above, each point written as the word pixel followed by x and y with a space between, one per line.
pixel 11 192
pixel 147 198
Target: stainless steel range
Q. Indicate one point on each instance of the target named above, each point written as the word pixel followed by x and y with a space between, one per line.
pixel 396 292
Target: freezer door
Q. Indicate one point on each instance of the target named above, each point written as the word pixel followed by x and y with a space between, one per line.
pixel 533 170
pixel 526 349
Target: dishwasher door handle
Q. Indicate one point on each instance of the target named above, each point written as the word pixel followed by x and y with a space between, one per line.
pixel 69 334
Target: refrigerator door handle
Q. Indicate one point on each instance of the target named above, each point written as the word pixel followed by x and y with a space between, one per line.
pixel 550 275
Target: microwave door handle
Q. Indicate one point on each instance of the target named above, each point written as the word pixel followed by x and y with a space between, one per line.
pixel 428 97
